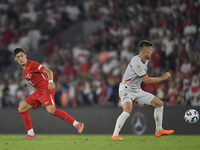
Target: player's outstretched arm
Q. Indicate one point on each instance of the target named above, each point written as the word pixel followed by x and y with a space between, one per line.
pixel 151 80
pixel 49 74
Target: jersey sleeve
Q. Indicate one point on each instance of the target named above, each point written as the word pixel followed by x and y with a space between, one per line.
pixel 139 70
pixel 37 67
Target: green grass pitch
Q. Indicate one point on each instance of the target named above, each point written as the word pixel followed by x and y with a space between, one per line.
pixel 99 142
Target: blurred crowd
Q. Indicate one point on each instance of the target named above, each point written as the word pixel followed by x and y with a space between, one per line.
pixel 89 71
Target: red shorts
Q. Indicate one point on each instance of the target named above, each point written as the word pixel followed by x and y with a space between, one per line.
pixel 45 97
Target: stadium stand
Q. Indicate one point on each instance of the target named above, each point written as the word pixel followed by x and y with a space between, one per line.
pixel 89 69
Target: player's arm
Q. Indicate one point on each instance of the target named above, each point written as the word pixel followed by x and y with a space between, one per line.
pixel 49 74
pixel 151 80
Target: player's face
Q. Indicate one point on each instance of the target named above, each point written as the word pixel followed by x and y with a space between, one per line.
pixel 21 58
pixel 149 52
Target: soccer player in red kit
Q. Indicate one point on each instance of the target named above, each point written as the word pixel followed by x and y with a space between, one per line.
pixel 41 79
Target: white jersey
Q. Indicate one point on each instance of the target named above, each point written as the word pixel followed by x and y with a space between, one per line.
pixel 133 73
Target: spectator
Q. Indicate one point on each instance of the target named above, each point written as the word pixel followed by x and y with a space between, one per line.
pixel 110 99
pixel 58 94
pixel 179 89
pixel 24 41
pixel 22 94
pixel 53 16
pixel 172 93
pixel 190 29
pixel 168 44
pixel 13 44
pixel 157 60
pixel 35 37
pixel 85 67
pixel 5 102
pixel 194 91
pixel 95 67
pixel 68 68
pixel 80 53
pixel 161 92
pixel 156 29
pixel 73 11
pixel 66 100
pixel 127 54
pixel 103 55
pixel 186 66
pixel 80 95
pixel 101 91
pixel 7 36
pixel 5 56
pixel 2 86
pixel 185 95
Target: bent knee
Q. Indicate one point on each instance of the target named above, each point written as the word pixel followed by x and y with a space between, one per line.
pixel 51 111
pixel 128 110
pixel 156 103
pixel 127 107
pixel 22 109
pixel 161 104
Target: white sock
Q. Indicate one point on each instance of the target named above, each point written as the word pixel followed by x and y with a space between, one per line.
pixel 158 116
pixel 75 123
pixel 120 122
pixel 31 132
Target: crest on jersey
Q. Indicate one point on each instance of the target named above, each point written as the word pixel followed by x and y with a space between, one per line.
pixel 28 75
pixel 140 71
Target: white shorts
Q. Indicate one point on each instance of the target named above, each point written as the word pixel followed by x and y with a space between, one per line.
pixel 141 97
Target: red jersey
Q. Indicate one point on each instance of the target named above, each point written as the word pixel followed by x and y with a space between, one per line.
pixel 33 74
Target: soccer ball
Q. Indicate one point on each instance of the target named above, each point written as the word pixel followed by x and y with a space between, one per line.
pixel 191 116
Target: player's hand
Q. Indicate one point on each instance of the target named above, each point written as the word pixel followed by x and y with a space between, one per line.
pixel 51 86
pixel 166 75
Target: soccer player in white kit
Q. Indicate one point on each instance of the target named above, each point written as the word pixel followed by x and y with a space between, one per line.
pixel 130 90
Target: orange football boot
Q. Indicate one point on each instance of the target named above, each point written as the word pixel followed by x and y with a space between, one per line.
pixel 163 132
pixel 115 137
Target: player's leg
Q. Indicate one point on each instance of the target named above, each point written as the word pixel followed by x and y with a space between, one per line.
pixel 158 112
pixel 158 116
pixel 63 115
pixel 23 110
pixel 127 108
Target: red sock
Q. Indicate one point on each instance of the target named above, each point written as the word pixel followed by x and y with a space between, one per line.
pixel 26 120
pixel 63 115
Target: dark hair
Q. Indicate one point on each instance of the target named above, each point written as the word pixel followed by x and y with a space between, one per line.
pixel 17 50
pixel 144 43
